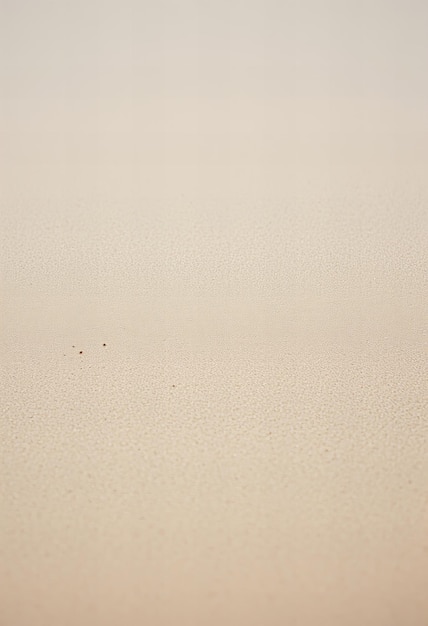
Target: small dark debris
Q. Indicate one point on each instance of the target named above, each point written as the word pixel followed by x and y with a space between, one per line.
pixel 104 344
pixel 173 385
pixel 73 346
pixel 81 352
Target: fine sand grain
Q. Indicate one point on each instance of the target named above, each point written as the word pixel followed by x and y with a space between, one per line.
pixel 211 423
pixel 213 313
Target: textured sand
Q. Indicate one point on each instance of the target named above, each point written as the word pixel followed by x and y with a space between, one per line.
pixel 232 196
pixel 250 446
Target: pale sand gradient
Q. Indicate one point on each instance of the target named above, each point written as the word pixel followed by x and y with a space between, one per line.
pixel 251 445
pixel 233 198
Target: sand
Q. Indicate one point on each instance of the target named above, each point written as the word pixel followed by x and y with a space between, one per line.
pixel 213 313
pixel 251 444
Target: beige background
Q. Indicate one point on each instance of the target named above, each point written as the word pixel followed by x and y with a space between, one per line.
pixel 232 196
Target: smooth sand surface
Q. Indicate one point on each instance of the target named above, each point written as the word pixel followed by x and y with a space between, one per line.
pixel 251 444
pixel 232 196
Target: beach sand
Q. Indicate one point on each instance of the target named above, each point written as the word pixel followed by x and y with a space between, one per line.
pixel 213 342
pixel 251 444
